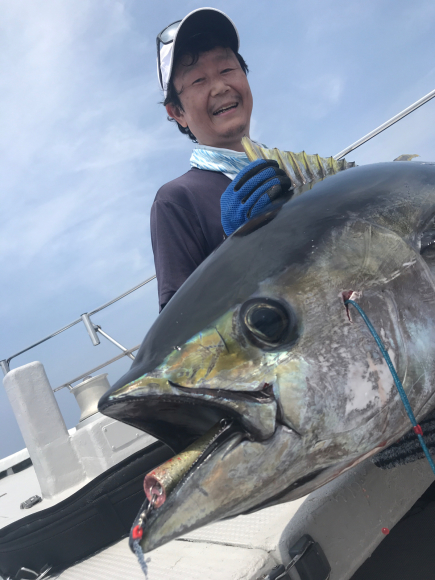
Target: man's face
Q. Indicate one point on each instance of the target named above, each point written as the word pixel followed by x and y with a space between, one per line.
pixel 216 98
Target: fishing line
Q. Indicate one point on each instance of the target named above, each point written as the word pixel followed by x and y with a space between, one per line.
pixel 416 427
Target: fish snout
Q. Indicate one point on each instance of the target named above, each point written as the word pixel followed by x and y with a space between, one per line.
pixel 213 376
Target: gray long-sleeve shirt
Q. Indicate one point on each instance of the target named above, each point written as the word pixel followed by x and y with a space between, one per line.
pixel 185 227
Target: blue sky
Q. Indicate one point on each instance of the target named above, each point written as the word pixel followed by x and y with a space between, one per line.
pixel 85 144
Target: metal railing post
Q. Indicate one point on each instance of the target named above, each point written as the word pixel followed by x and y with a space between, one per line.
pixel 5 366
pixel 90 328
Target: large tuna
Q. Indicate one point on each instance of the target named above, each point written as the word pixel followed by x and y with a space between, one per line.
pixel 258 340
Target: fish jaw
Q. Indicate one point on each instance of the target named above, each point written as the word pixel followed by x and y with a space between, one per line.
pixel 236 478
pixel 243 475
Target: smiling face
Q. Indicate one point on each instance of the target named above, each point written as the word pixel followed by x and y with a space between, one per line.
pixel 216 98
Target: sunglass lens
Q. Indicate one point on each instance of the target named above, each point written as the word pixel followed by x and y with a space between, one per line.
pixel 168 34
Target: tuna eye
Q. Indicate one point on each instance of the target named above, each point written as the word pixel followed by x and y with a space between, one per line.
pixel 267 323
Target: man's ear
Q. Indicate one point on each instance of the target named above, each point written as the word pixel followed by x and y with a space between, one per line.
pixel 177 114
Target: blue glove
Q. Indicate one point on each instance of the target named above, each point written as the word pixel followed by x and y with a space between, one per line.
pixel 254 188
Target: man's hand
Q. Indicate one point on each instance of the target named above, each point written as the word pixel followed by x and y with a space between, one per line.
pixel 254 188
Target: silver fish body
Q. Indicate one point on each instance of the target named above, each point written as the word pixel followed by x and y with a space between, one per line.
pixel 259 335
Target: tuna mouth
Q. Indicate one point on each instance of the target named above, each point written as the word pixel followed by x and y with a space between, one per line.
pixel 179 415
pixel 265 394
pixel 170 476
pixel 226 108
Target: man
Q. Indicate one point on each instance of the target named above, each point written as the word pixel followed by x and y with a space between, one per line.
pixel 207 94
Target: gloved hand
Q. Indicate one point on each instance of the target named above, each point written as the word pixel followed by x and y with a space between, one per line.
pixel 253 188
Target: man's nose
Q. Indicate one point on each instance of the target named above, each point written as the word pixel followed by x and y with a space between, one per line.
pixel 219 86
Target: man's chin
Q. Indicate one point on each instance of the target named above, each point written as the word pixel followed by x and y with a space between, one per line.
pixel 235 131
pixel 228 136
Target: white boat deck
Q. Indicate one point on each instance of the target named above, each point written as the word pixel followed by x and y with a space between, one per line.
pixel 346 517
pixel 175 561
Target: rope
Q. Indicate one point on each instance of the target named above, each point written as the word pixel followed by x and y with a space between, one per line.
pixel 140 556
pixel 417 428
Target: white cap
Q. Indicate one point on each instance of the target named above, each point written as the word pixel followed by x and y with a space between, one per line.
pixel 200 20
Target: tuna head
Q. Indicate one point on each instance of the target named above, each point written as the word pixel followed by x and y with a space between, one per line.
pixel 258 365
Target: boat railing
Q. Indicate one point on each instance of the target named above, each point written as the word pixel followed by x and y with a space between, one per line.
pixel 94 330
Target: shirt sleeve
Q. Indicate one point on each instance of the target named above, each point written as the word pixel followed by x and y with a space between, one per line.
pixel 179 246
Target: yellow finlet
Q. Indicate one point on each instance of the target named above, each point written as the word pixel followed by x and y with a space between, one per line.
pixel 303 169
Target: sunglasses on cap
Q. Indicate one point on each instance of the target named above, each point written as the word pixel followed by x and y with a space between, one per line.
pixel 165 37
